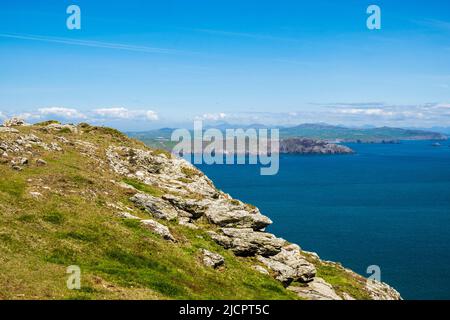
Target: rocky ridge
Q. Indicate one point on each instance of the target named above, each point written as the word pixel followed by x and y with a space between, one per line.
pixel 187 196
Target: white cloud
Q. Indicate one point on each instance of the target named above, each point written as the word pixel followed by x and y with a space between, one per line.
pixel 116 113
pixel 125 114
pixel 2 115
pixel 368 112
pixel 212 116
pixel 66 113
pixel 152 115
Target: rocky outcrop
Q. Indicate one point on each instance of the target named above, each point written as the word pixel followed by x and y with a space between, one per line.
pixel 232 214
pixel 247 242
pixel 381 291
pixel 57 127
pixel 318 289
pixel 211 259
pixel 194 208
pixel 157 207
pixel 289 265
pixel 175 175
pixel 8 130
pixel 159 229
pixel 14 122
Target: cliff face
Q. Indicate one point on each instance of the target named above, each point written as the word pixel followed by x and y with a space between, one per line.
pixel 141 223
pixel 311 146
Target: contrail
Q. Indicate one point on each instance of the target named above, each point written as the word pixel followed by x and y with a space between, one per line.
pixel 90 43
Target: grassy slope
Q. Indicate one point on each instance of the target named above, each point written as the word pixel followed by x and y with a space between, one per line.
pixel 71 224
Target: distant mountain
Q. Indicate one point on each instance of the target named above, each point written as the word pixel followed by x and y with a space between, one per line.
pixel 343 134
pixel 317 131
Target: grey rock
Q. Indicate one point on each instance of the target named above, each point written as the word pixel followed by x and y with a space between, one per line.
pixel 58 127
pixel 159 229
pixel 211 259
pixel 232 214
pixel 157 207
pixel 127 215
pixel 8 130
pixel 318 289
pixel 41 162
pixel 14 122
pixel 261 269
pixel 196 208
pixel 247 242
pixel 381 291
pixel 289 265
pixel 186 222
pixel 19 161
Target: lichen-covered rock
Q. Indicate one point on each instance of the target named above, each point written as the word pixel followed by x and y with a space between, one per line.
pixel 235 214
pixel 196 208
pixel 159 229
pixel 289 265
pixel 56 127
pixel 381 291
pixel 318 289
pixel 14 122
pixel 157 207
pixel 211 259
pixel 170 173
pixel 261 269
pixel 8 130
pixel 183 221
pixel 127 215
pixel 247 242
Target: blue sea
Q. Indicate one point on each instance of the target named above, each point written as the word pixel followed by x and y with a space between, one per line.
pixel 386 205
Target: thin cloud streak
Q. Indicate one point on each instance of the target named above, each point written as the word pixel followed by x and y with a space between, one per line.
pixel 91 43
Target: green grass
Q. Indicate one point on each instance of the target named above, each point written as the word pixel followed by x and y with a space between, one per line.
pixel 154 191
pixel 72 224
pixel 190 173
pixel 342 281
pixel 54 217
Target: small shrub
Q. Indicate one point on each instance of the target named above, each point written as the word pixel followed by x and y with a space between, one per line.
pixel 190 172
pixel 46 123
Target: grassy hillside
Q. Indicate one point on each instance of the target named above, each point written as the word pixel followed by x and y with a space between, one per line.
pixel 63 205
pixel 71 223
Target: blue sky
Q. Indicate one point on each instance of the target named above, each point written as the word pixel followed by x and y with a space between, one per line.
pixel 138 65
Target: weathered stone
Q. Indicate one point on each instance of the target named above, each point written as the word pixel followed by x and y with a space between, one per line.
pixel 196 208
pixel 14 122
pixel 231 214
pixel 157 168
pixel 127 215
pixel 159 229
pixel 210 259
pixel 8 130
pixel 261 269
pixel 60 127
pixel 186 222
pixel 41 162
pixel 157 207
pixel 20 161
pixel 247 242
pixel 381 291
pixel 35 194
pixel 289 265
pixel 318 289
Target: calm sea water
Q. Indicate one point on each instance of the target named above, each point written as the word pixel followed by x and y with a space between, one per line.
pixel 388 205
